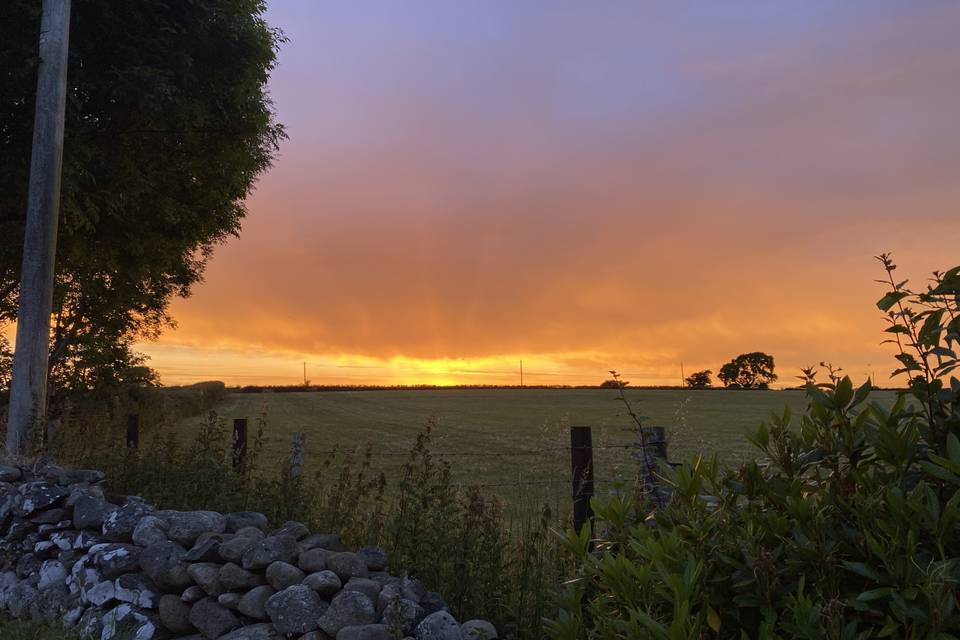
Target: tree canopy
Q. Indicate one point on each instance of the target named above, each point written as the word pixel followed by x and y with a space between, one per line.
pixel 168 125
pixel 748 371
pixel 700 379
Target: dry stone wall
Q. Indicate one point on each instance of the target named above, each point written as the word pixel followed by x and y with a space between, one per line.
pixel 118 568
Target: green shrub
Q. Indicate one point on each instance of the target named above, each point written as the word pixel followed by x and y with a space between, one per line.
pixel 848 527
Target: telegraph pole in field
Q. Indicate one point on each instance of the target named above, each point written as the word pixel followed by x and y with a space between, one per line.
pixel 28 387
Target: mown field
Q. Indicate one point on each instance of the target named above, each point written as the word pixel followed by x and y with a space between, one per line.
pixel 511 440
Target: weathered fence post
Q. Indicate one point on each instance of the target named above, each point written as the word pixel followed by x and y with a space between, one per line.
pixel 133 431
pixel 298 455
pixel 650 452
pixel 581 462
pixel 239 442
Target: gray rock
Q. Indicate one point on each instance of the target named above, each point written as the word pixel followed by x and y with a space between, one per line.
pixel 251 532
pixel 348 609
pixel 28 564
pixel 243 519
pixel 194 593
pixel 150 530
pixel 163 563
pixel 375 557
pixel 50 516
pixel 403 615
pixel 233 578
pixel 478 630
pixel 175 615
pixel 369 588
pixel 229 600
pixel 297 530
pixel 366 632
pixel 118 526
pixel 138 590
pixel 347 565
pixel 262 631
pixel 212 620
pixel 52 572
pixel 296 609
pixel 21 598
pixel 9 473
pixel 84 476
pixel 325 583
pixel 207 575
pixel 313 560
pixel 438 626
pixel 328 541
pixel 281 575
pixel 126 621
pixel 271 549
pixel 232 550
pixel 253 603
pixel 206 549
pixel 35 496
pixel 434 602
pixel 185 527
pixel 115 559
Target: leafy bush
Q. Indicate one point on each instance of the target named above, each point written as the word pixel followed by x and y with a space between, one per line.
pixel 848 527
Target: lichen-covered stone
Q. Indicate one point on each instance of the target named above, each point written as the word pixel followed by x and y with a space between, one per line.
pixel 212 620
pixel 347 609
pixel 296 609
pixel 281 575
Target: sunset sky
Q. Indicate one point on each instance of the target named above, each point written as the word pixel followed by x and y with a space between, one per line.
pixel 586 186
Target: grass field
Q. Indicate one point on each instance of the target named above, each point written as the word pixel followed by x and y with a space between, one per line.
pixel 502 437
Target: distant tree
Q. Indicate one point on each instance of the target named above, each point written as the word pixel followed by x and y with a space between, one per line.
pixel 748 371
pixel 700 379
pixel 613 384
pixel 6 363
pixel 168 125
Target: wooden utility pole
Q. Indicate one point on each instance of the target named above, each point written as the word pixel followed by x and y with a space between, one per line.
pixel 521 373
pixel 683 379
pixel 28 387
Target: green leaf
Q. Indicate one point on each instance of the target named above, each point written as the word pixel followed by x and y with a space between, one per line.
pixel 713 619
pixel 862 569
pixel 891 299
pixel 875 594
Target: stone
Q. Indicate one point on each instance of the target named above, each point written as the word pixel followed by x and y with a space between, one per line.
pixel 438 626
pixel 115 559
pixel 251 532
pixel 28 564
pixel 229 600
pixel 150 530
pixel 433 602
pixel 369 588
pixel 51 572
pixel 163 563
pixel 126 621
pixel 313 560
pixel 478 630
pixel 328 541
pixel 232 550
pixel 282 547
pixel 296 609
pixel 234 578
pixel 253 603
pixel 403 615
pixel 50 516
pixel 193 594
pixel 347 609
pixel 9 473
pixel 186 526
pixel 244 519
pixel 375 557
pixel 297 530
pixel 206 549
pixel 325 583
pixel 207 576
pixel 365 632
pixel 138 590
pixel 119 525
pixel 175 615
pixel 347 565
pixel 212 620
pixel 35 496
pixel 261 631
pixel 281 575
pixel 84 476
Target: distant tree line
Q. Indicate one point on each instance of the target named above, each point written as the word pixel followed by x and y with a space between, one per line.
pixel 747 371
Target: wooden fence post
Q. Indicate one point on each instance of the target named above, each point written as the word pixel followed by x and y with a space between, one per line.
pixel 133 431
pixel 581 463
pixel 239 442
pixel 298 455
pixel 654 445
